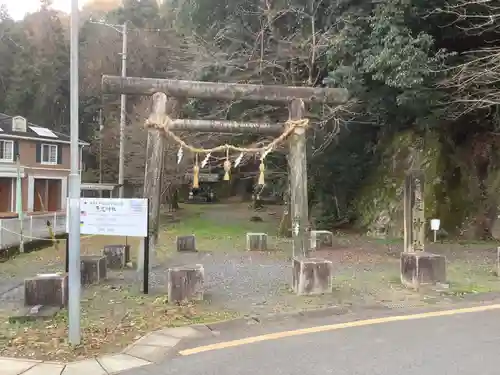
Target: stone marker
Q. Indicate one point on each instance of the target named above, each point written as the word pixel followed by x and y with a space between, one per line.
pixel 185 283
pixel 186 243
pixel 418 267
pixel 256 241
pixel 311 276
pixel 93 269
pixel 321 239
pixel 422 268
pixel 117 256
pixel 46 289
pixel 414 211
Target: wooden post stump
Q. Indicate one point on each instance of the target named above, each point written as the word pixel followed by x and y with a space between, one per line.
pixel 47 290
pixel 93 269
pixel 185 283
pixel 117 256
pixel 256 241
pixel 321 239
pixel 422 268
pixel 311 276
pixel 185 243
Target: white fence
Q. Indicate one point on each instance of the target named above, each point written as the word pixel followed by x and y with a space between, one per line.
pixel 33 228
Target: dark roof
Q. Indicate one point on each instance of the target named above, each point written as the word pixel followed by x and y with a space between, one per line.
pixel 6 129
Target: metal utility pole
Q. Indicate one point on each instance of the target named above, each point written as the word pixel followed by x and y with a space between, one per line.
pixel 19 203
pixel 74 189
pixel 122 29
pixel 123 114
pixel 100 147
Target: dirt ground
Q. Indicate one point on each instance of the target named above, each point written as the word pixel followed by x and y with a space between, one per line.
pixel 237 283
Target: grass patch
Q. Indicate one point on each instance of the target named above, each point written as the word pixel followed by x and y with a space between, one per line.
pixel 223 227
pixel 460 289
pixel 387 241
pixel 471 278
pixel 203 227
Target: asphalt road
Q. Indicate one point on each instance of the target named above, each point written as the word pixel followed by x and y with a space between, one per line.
pixel 463 344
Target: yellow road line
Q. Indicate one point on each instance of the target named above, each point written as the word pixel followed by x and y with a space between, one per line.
pixel 332 327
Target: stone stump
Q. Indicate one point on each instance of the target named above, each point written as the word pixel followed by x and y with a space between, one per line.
pixel 321 239
pixel 256 241
pixel 422 268
pixel 93 269
pixel 117 256
pixel 185 283
pixel 185 243
pixel 311 276
pixel 46 290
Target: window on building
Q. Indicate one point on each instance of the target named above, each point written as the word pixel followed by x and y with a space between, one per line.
pixel 6 150
pixel 49 154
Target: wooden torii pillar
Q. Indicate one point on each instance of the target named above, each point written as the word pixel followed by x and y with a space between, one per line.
pixel 166 91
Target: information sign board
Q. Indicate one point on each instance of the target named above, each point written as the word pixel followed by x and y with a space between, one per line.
pixel 114 216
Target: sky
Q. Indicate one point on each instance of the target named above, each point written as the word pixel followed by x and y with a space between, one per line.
pixel 18 8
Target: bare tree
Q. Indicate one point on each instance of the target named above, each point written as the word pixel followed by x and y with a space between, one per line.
pixel 473 16
pixel 474 81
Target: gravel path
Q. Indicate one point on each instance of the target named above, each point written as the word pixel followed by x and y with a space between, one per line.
pixel 246 283
pixel 241 282
pixel 237 282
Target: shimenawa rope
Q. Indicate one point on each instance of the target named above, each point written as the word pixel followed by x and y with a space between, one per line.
pixel 164 126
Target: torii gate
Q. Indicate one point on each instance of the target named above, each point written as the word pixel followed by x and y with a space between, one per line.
pixel 166 93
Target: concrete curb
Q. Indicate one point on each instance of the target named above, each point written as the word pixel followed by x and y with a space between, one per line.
pixel 152 348
pixel 277 317
pixel 157 346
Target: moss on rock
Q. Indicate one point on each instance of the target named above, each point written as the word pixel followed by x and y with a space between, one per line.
pixel 379 205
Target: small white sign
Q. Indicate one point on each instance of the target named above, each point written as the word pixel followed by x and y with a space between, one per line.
pixel 435 224
pixel 114 217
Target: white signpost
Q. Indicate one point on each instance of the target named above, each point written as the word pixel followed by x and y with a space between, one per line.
pixel 435 224
pixel 126 217
pixel 114 217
